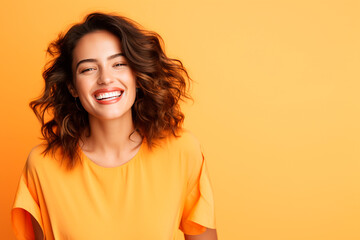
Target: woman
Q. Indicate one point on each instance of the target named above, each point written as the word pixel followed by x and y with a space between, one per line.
pixel 116 163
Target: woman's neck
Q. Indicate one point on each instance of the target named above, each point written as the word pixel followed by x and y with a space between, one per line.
pixel 111 142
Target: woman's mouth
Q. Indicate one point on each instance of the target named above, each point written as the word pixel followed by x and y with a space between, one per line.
pixel 106 96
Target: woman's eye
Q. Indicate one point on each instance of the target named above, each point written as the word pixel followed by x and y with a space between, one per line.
pixel 119 64
pixel 87 70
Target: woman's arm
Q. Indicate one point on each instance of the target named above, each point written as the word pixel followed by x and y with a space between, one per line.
pixel 209 234
pixel 37 229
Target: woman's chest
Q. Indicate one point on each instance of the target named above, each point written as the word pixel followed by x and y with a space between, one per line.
pixel 143 202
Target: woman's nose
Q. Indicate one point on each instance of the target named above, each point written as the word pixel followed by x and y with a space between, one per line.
pixel 104 77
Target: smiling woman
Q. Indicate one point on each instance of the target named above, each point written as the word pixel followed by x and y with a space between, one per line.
pixel 116 162
pixel 103 77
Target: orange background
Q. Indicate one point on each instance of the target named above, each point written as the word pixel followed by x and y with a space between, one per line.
pixel 276 104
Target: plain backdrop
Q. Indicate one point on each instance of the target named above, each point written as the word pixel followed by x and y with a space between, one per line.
pixel 276 106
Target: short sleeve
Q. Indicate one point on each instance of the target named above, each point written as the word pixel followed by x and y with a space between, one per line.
pixel 198 213
pixel 25 205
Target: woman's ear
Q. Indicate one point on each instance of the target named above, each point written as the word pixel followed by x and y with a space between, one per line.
pixel 72 90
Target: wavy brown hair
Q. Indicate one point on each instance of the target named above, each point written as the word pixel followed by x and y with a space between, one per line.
pixel 162 83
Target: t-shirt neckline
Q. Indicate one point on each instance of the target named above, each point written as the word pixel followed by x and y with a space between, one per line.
pixel 130 161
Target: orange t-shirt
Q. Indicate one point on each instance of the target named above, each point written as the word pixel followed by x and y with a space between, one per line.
pixel 150 197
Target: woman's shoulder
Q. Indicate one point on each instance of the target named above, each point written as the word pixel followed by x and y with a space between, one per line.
pixel 184 140
pixel 184 147
pixel 35 155
pixel 37 159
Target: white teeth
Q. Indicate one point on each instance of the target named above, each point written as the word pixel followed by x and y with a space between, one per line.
pixel 111 95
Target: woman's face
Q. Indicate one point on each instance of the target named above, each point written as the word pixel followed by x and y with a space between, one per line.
pixel 104 82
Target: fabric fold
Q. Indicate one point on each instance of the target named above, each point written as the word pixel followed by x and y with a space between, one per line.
pixel 24 206
pixel 199 207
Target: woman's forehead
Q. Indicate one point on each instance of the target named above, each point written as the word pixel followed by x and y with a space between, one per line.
pixel 98 44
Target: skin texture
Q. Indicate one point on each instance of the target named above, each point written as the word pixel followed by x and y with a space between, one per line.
pixel 97 65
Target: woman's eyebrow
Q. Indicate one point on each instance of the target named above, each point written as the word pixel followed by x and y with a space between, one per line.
pixel 94 60
pixel 84 60
pixel 115 56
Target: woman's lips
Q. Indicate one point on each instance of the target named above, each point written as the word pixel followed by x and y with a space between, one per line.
pixel 108 95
